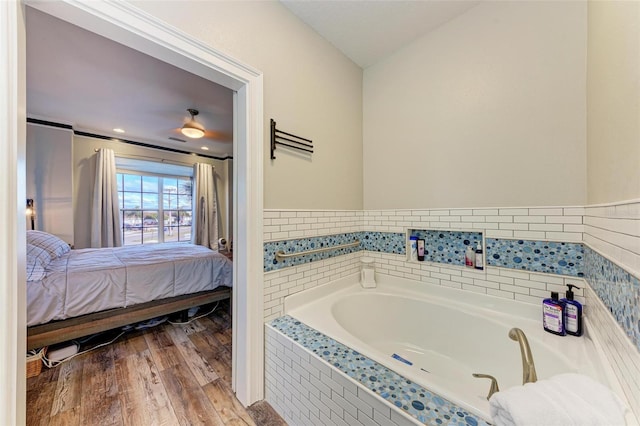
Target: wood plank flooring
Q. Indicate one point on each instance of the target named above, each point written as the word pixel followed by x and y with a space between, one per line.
pixel 165 375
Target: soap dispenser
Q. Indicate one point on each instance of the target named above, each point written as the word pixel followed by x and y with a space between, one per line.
pixel 553 315
pixel 572 312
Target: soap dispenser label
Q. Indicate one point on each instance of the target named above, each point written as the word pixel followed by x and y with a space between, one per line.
pixel 571 318
pixel 552 318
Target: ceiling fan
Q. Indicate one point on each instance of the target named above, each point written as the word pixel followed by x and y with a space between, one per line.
pixel 192 129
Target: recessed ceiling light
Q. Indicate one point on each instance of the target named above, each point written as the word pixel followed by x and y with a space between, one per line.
pixel 204 148
pixel 118 130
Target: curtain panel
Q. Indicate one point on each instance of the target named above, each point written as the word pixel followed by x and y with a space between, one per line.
pixel 205 208
pixel 106 229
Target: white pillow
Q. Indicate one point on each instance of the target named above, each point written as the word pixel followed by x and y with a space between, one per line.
pixel 53 245
pixel 37 261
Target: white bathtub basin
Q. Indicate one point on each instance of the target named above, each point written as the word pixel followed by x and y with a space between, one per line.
pixel 445 334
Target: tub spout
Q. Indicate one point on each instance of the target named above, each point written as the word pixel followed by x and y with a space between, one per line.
pixel 528 367
pixel 494 383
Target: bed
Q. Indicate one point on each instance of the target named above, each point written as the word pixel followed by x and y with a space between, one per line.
pixel 72 293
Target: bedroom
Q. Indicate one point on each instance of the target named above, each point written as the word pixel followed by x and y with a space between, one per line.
pixel 69 121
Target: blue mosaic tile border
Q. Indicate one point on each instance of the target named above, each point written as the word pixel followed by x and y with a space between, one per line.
pixel 537 256
pixel 304 244
pixel 386 242
pixel 618 289
pixel 447 246
pixel 425 406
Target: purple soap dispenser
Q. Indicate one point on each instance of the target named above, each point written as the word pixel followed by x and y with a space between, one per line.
pixel 553 315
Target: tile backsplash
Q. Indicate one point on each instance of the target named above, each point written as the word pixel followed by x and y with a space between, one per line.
pixel 529 251
pixel 537 256
pixel 598 245
pixel 383 236
pixel 299 245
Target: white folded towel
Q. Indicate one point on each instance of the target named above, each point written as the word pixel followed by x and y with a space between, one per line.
pixel 563 400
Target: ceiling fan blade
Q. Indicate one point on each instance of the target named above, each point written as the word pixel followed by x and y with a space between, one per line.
pixel 218 136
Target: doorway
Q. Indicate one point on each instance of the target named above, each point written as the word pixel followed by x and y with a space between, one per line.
pixel 125 24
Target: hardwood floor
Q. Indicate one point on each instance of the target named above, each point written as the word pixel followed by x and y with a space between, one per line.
pixel 165 375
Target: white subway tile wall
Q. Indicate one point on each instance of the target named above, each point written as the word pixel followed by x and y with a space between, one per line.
pixel 524 286
pixel 552 224
pixel 306 391
pixel 614 232
pixel 290 224
pixel 499 223
pixel 611 230
pixel 621 353
pixel 283 282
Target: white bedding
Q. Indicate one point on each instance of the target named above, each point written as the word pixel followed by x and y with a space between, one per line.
pixel 91 280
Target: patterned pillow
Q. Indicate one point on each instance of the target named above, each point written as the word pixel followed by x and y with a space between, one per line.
pixel 37 260
pixel 53 245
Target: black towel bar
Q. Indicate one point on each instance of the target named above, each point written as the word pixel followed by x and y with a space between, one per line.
pixel 296 142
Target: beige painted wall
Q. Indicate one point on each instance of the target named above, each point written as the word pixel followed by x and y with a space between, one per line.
pixel 84 172
pixel 310 89
pixel 613 93
pixel 49 179
pixel 487 110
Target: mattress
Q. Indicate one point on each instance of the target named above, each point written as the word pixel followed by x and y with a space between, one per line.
pixel 90 280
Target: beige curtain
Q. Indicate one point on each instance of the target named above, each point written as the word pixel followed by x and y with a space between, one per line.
pixel 205 207
pixel 106 230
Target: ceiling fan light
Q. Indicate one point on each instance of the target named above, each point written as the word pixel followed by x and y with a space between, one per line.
pixel 192 129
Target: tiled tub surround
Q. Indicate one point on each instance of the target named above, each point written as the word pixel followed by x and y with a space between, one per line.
pixel 307 391
pixel 351 315
pixel 612 234
pixel 506 223
pixel 519 281
pixel 352 392
pixel 618 290
pixel 284 282
pixel 613 231
pixel 621 353
pixel 523 286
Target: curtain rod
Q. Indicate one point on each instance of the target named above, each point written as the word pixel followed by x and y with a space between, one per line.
pixel 156 159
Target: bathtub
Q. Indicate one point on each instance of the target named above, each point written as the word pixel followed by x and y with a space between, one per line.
pixel 438 337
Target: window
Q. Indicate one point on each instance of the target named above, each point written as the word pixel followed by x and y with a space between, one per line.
pixel 154 208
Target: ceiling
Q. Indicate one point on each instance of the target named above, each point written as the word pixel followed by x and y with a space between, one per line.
pixel 79 78
pixel 368 31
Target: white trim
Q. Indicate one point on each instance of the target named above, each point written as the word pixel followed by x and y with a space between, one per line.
pixel 128 25
pixel 614 203
pixel 12 217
